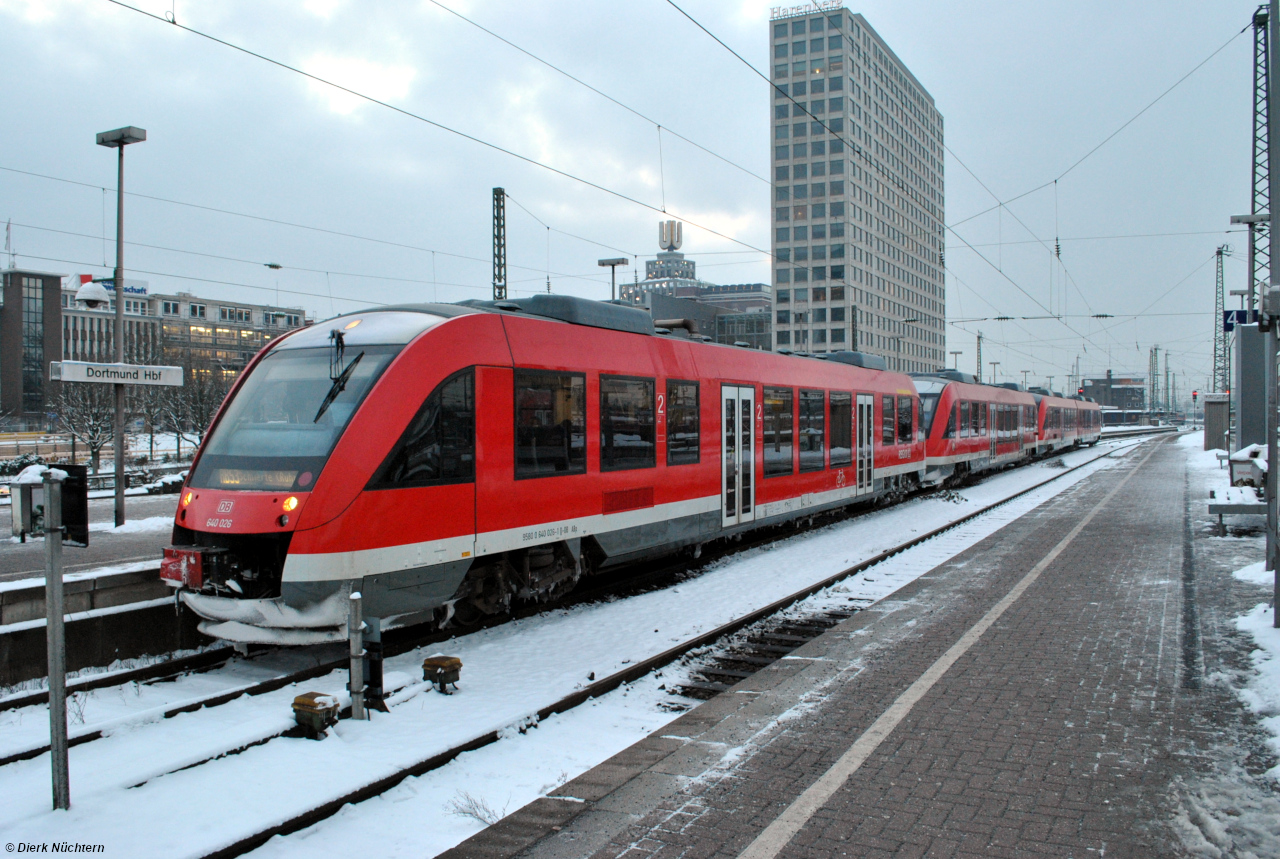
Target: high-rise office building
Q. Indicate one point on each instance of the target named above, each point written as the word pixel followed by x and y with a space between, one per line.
pixel 858 193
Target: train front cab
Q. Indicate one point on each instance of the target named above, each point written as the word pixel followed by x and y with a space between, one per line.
pixel 974 428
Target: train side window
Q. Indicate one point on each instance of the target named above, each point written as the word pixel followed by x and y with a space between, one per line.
pixel 682 422
pixel 812 440
pixel 627 423
pixel 551 423
pixel 777 431
pixel 950 431
pixel 887 420
pixel 964 420
pixel 439 444
pixel 841 429
pixel 904 420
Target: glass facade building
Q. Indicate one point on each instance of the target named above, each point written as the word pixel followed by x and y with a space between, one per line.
pixel 858 200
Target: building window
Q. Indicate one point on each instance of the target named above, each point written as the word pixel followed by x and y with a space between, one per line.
pixel 33 367
pixel 819 294
pixel 438 446
pixel 818 189
pixel 800 275
pixel 837 210
pixel 783 296
pixel 196 311
pixel 777 430
pixel 801 171
pixel 819 232
pixel 782 173
pixel 841 423
pixel 837 167
pixel 800 191
pixel 837 313
pixel 802 213
pixel 783 193
pixel 782 153
pixel 627 423
pixel 784 338
pixel 169 308
pixel 801 234
pixel 779 51
pixel 837 272
pixel 835 83
pixel 818 148
pixel 837 251
pixel 784 213
pixel 837 334
pixel 815 25
pixel 784 317
pixel 799 129
pixel 683 437
pixel 819 336
pixel 783 255
pixel 780 133
pixel 551 423
pixel 819 210
pixel 797 28
pixel 797 48
pixel 784 234
pixel 780 91
pixel 783 276
pixel 837 229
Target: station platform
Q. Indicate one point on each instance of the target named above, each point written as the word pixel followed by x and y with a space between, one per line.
pixel 1042 693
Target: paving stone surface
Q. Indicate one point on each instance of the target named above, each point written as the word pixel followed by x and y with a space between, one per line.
pixel 1069 729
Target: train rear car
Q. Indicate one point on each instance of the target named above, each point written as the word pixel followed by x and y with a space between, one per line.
pixel 973 427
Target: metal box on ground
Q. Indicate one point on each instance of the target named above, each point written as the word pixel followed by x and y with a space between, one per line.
pixel 1217 421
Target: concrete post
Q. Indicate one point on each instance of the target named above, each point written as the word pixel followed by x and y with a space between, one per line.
pixel 55 641
pixel 355 632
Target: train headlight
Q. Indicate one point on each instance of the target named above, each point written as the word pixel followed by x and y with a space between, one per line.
pixel 290 504
pixel 186 499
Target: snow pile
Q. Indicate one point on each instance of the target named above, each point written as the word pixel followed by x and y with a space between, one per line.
pixel 1262 695
pixel 35 474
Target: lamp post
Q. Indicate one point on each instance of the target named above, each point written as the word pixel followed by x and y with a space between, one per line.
pixel 612 265
pixel 1241 293
pixel 993 364
pixel 955 359
pixel 1024 378
pixel 119 139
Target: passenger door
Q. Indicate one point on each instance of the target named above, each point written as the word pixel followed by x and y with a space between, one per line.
pixel 737 455
pixel 866 452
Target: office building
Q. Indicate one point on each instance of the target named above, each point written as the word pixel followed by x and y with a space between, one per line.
pixel 858 193
pixel 41 322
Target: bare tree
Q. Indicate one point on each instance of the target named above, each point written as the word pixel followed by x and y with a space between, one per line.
pixel 87 412
pixel 148 401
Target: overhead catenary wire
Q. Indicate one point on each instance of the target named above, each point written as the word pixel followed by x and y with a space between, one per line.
pixel 433 123
pixel 599 92
pixel 1110 136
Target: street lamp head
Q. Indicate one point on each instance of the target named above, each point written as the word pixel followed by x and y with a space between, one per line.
pixel 605 263
pixel 121 136
pixel 94 295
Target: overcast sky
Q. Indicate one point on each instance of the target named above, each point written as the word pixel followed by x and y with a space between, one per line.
pixel 1025 91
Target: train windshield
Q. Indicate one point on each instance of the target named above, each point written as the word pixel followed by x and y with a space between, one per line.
pixel 928 404
pixel 285 420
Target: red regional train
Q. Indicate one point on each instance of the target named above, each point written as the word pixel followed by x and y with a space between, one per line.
pixel 445 460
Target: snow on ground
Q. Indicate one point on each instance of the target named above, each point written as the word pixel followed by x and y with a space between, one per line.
pixel 38 581
pixel 509 672
pixel 135 526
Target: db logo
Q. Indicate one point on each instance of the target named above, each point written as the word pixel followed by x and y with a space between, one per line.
pixel 225 506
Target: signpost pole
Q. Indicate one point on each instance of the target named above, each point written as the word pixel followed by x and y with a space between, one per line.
pixel 55 640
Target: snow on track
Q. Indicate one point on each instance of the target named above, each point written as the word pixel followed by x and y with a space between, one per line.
pixel 509 672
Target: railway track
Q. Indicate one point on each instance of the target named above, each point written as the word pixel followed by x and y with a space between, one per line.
pixel 767 638
pixel 765 646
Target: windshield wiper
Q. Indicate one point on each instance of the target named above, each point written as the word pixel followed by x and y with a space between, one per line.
pixel 339 379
